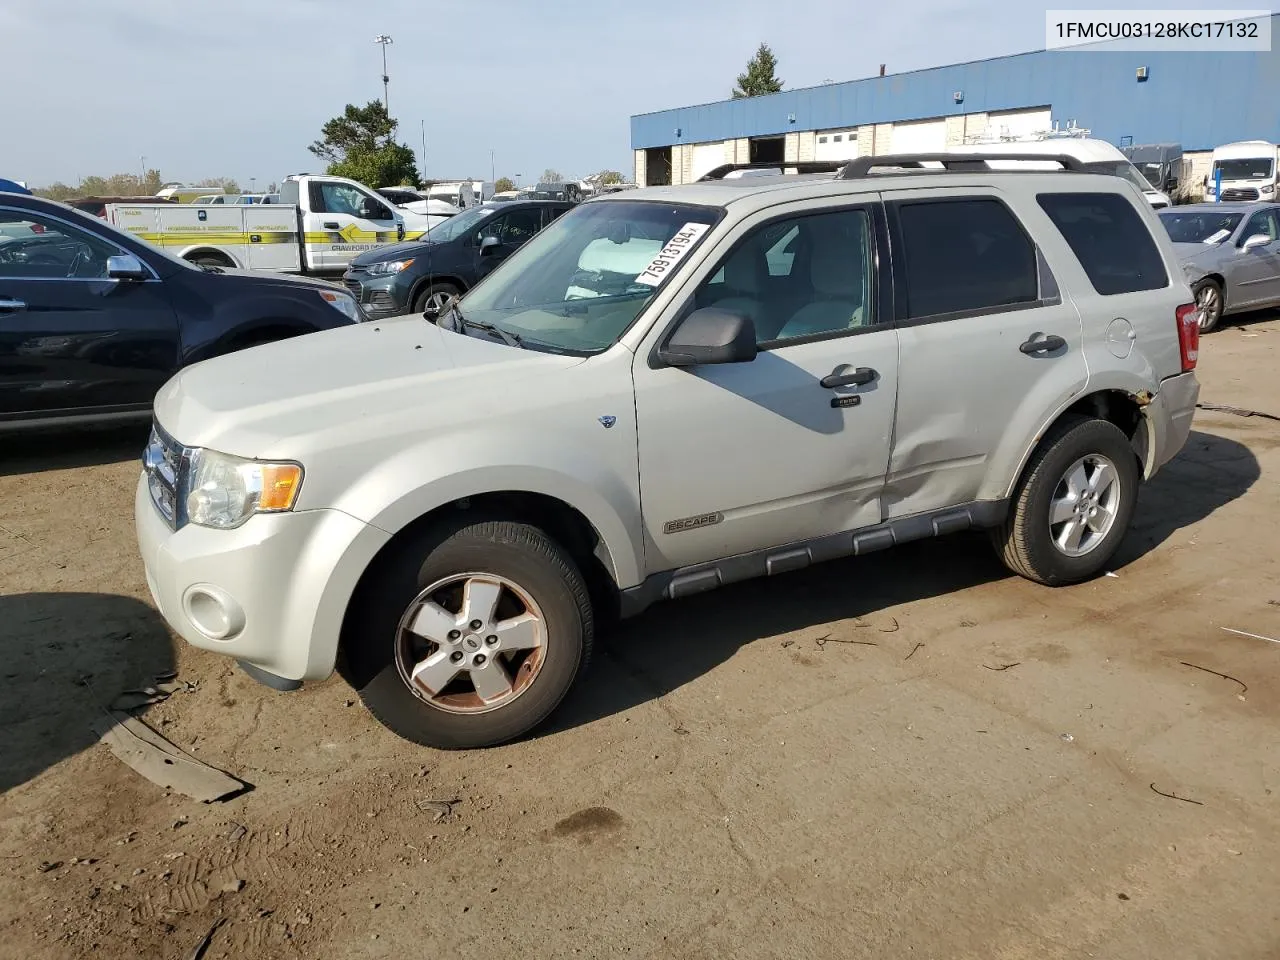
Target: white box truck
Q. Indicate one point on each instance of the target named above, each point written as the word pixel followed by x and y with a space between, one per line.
pixel 320 224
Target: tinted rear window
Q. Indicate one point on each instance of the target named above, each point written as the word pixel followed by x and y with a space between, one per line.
pixel 965 255
pixel 1109 239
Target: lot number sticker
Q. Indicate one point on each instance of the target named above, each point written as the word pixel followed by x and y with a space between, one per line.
pixel 672 253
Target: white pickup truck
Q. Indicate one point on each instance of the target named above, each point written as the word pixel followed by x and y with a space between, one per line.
pixel 320 225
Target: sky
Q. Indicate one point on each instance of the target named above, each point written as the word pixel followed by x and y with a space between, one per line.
pixel 240 88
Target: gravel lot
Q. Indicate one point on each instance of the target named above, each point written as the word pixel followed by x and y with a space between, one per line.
pixel 908 754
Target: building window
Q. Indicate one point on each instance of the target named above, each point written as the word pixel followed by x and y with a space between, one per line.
pixel 837 138
pixel 822 139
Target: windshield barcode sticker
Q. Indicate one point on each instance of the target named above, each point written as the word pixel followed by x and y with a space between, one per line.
pixel 672 253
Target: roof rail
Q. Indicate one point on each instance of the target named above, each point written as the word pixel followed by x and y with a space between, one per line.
pixel 777 166
pixel 953 162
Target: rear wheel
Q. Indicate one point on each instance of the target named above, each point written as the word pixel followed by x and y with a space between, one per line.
pixel 471 636
pixel 434 296
pixel 211 260
pixel 1208 296
pixel 1073 504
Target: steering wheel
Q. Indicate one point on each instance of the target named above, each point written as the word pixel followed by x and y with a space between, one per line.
pixel 82 260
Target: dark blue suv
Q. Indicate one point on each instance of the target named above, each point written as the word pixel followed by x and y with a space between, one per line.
pixel 451 259
pixel 94 321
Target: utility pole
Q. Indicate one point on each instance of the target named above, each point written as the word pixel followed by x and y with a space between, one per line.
pixel 382 40
pixel 143 162
pixel 492 178
pixel 424 148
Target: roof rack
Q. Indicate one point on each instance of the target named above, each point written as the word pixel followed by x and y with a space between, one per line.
pixel 778 166
pixel 952 162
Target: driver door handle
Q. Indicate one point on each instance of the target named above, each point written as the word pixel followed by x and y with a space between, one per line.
pixel 1038 344
pixel 332 225
pixel 861 376
pixel 11 306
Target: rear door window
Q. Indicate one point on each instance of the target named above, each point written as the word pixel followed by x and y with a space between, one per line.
pixel 1109 239
pixel 962 256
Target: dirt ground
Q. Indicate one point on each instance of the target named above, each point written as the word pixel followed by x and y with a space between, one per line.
pixel 908 754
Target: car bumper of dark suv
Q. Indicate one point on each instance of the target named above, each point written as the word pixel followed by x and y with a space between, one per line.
pixel 379 297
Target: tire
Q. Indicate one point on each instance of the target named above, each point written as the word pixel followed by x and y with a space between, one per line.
pixel 1208 294
pixel 438 292
pixel 382 657
pixel 1030 543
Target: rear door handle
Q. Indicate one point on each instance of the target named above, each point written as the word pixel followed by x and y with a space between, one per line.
pixel 11 306
pixel 1038 344
pixel 860 377
pixel 332 225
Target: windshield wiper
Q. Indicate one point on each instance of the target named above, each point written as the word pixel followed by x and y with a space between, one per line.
pixel 506 336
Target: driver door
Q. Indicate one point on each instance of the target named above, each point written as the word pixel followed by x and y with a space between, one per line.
pixel 1256 272
pixel 740 457
pixel 512 230
pixel 351 221
pixel 71 340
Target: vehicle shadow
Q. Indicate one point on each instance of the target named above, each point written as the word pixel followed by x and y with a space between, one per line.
pixel 674 643
pixel 37 452
pixel 1208 473
pixel 63 658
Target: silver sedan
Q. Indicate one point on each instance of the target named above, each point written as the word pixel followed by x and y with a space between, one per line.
pixel 1230 253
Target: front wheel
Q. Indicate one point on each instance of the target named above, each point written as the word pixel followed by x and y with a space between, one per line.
pixel 470 637
pixel 1208 296
pixel 1073 505
pixel 434 297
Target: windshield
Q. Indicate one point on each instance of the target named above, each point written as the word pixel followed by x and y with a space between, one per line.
pixel 579 284
pixel 1200 226
pixel 1120 168
pixel 1250 168
pixel 458 224
pixel 1152 172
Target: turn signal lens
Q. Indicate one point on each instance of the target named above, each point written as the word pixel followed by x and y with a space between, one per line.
pixel 280 482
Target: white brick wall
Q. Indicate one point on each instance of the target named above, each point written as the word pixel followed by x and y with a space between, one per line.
pixel 791 147
pixel 640 170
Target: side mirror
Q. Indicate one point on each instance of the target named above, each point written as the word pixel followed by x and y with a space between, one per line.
pixel 1257 240
pixel 126 267
pixel 488 244
pixel 711 335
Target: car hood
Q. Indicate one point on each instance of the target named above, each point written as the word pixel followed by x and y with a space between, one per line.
pixel 394 251
pixel 266 278
pixel 1195 252
pixel 316 392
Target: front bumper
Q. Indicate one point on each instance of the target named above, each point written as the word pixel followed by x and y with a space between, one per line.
pixel 271 593
pixel 379 297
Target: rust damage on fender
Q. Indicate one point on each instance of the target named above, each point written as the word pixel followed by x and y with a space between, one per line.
pixel 1142 398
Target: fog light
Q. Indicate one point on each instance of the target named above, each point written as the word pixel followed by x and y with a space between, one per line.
pixel 213 612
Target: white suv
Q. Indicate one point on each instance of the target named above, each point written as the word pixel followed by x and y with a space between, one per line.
pixel 668 390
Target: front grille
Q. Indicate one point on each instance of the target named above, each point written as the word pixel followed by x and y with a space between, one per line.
pixel 356 290
pixel 165 463
pixel 1240 193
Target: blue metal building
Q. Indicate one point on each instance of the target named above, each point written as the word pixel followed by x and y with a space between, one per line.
pixel 1198 99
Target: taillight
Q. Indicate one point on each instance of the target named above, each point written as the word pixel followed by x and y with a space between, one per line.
pixel 1189 335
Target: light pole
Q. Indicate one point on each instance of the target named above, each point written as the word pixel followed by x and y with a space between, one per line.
pixel 382 40
pixel 492 169
pixel 143 162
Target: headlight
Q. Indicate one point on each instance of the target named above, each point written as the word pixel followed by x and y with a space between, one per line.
pixel 387 267
pixel 1268 188
pixel 343 302
pixel 225 491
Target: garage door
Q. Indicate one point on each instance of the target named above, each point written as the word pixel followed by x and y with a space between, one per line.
pixel 836 145
pixel 919 136
pixel 706 157
pixel 1018 124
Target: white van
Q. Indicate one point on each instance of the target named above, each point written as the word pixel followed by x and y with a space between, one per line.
pixel 1249 171
pixel 1098 156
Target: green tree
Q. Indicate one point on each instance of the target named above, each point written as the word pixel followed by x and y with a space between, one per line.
pixel 504 184
pixel 607 177
pixel 360 144
pixel 225 184
pixel 759 78
pixel 116 185
pixel 551 175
